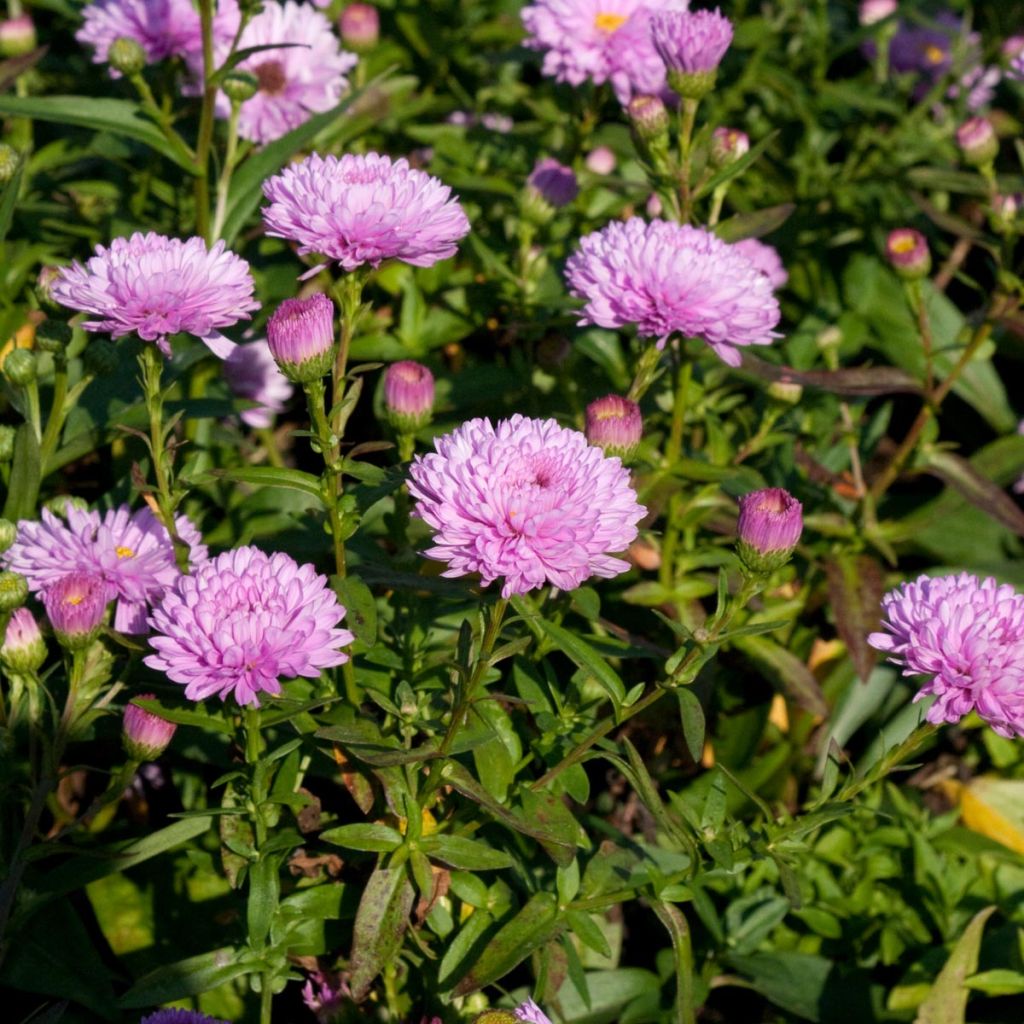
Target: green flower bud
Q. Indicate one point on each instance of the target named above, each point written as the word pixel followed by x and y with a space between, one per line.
pixel 240 86
pixel 20 367
pixel 59 504
pixel 13 591
pixel 8 534
pixel 7 443
pixel 126 55
pixel 53 336
pixel 9 159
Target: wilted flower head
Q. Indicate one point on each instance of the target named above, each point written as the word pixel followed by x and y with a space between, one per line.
pixel 673 279
pixel 131 552
pixel 969 637
pixel 554 182
pixel 363 210
pixel 531 1013
pixel 692 45
pixel 242 622
pixel 360 26
pixel 908 254
pixel 145 735
pixel 871 12
pixel 75 605
pixel 179 1017
pixel 770 523
pixel 156 286
pixel 527 500
pixel 301 337
pixel 408 394
pixel 251 373
pixel 303 75
pixel 766 259
pixel 615 425
pixel 23 649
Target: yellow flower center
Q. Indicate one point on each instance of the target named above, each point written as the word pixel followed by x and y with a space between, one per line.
pixel 903 244
pixel 75 600
pixel 124 552
pixel 608 23
pixel 934 54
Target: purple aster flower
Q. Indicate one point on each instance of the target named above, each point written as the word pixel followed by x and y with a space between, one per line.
pixel 304 76
pixel 163 28
pixel 242 622
pixel 364 210
pixel 156 286
pixel 770 523
pixel 673 279
pixel 251 373
pixel 554 182
pixel 75 605
pixel 131 552
pixel 531 1013
pixel 327 996
pixel 500 123
pixel 968 636
pixel 179 1017
pixel 145 736
pixel 408 395
pixel 691 42
pixel 766 259
pixel 908 253
pixel 615 425
pixel 527 500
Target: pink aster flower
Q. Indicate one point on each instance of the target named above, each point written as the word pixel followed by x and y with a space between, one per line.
pixel 968 636
pixel 364 210
pixel 302 78
pixel 242 622
pixel 327 996
pixel 130 551
pixel 527 500
pixel 156 286
pixel 765 258
pixel 163 28
pixel 179 1017
pixel 75 605
pixel 252 373
pixel 691 42
pixel 531 1013
pixel 673 279
pixel 145 736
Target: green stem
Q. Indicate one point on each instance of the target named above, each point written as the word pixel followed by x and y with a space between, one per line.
pixel 35 418
pixel 55 421
pixel 646 368
pixel 162 118
pixel 224 182
pixel 152 371
pixel 266 1000
pixel 675 439
pixel 205 137
pixel 331 481
pixel 688 117
pixel 890 761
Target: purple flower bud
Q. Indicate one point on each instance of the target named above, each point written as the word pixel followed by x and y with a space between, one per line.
pixel 75 606
pixel 301 337
pixel 770 524
pixel 871 12
pixel 408 395
pixel 601 160
pixel 977 141
pixel 553 182
pixel 145 736
pixel 23 650
pixel 649 117
pixel 360 26
pixel 691 45
pixel 654 205
pixel 728 145
pixel 1005 211
pixel 17 36
pixel 907 252
pixel 614 423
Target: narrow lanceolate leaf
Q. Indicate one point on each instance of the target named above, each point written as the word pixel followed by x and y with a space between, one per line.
pixel 370 838
pixel 534 926
pixel 185 978
pixel 856 584
pixel 23 486
pixel 270 476
pixel 856 381
pixel 465 854
pixel 963 477
pixel 381 921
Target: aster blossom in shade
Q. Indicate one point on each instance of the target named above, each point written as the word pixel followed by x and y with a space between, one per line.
pixel 304 76
pixel 673 279
pixel 968 636
pixel 361 210
pixel 242 622
pixel 251 373
pixel 155 286
pixel 179 1017
pixel 526 500
pixel 131 551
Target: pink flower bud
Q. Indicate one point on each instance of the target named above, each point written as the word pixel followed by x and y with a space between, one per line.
pixel 614 423
pixel 770 524
pixel 145 736
pixel 75 606
pixel 648 116
pixel 17 36
pixel 601 160
pixel 907 251
pixel 728 145
pixel 23 650
pixel 871 12
pixel 408 395
pixel 977 141
pixel 301 337
pixel 554 182
pixel 360 26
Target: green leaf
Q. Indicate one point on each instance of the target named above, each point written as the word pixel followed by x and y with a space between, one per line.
pixel 360 607
pixel 1000 982
pixel 682 946
pixel 691 715
pixel 102 114
pixel 197 716
pixel 9 199
pixel 185 978
pixel 370 838
pixel 24 480
pixel 588 932
pixel 466 854
pixel 533 927
pixel 264 891
pixel 380 923
pixel 975 487
pixel 856 584
pixel 947 1000
pixel 269 476
pixel 461 948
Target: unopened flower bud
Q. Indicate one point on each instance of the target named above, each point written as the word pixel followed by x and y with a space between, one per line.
pixel 240 86
pixel 770 524
pixel 53 336
pixel 301 337
pixel 553 182
pixel 360 27
pixel 829 338
pixel 7 443
pixel 649 118
pixel 907 251
pixel 786 391
pixel 61 504
pixel 20 367
pixel 654 206
pixel 1005 211
pixel 13 591
pixel 75 606
pixel 8 534
pixel 977 141
pixel 614 424
pixel 8 162
pixel 728 145
pixel 601 160
pixel 126 56
pixel 17 36
pixel 408 395
pixel 871 12
pixel 145 736
pixel 44 285
pixel 497 1017
pixel 23 650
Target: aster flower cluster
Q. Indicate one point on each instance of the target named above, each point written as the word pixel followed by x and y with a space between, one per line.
pixel 967 635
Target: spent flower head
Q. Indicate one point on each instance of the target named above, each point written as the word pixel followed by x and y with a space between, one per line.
pixel 360 26
pixel 728 145
pixel 977 141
